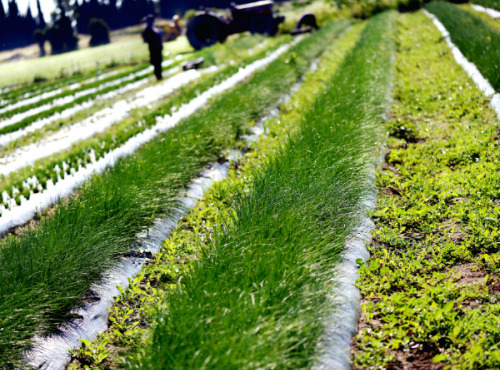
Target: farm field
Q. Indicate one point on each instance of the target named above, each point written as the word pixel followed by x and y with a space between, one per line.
pixel 235 194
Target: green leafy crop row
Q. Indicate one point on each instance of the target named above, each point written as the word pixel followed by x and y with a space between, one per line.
pixel 432 287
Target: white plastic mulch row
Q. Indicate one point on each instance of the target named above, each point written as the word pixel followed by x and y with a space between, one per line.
pixel 36 125
pixel 469 67
pixel 69 98
pixel 98 122
pixel 19 215
pixel 36 96
pixel 491 12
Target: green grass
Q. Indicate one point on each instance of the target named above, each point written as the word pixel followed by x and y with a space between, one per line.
pixel 134 312
pixel 47 269
pixel 476 40
pixel 257 296
pixel 438 217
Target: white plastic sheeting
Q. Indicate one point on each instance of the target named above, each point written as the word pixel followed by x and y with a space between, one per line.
pixel 69 98
pixel 491 12
pixel 342 324
pixel 36 125
pixel 98 122
pixel 35 96
pixel 470 68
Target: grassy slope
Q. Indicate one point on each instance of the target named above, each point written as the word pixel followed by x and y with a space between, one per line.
pixel 134 313
pixel 47 270
pixel 476 40
pixel 257 296
pixel 433 285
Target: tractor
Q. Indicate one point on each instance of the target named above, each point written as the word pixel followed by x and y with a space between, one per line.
pixel 207 27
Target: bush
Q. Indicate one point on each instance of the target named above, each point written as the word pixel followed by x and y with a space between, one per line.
pixel 99 32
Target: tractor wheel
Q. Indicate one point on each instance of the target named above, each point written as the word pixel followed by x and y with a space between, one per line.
pixel 263 25
pixel 204 30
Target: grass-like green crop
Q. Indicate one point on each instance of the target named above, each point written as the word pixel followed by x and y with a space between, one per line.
pixel 133 314
pixel 257 296
pixel 492 22
pixel 431 291
pixel 494 4
pixel 84 86
pixel 475 39
pixel 48 268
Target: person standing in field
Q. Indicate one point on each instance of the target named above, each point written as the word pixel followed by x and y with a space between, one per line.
pixel 152 36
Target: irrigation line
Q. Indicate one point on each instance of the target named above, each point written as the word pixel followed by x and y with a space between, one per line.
pixel 491 12
pixel 53 352
pixel 469 67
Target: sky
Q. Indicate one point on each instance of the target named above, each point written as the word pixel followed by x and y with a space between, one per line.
pixel 47 7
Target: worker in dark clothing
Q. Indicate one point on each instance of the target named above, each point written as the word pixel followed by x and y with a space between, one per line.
pixel 152 36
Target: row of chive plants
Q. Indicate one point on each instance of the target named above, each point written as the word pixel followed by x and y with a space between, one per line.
pixel 475 38
pixel 432 287
pixel 493 4
pixel 115 82
pixel 48 267
pixel 34 179
pixel 30 94
pixel 134 312
pixel 257 297
pixel 488 19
